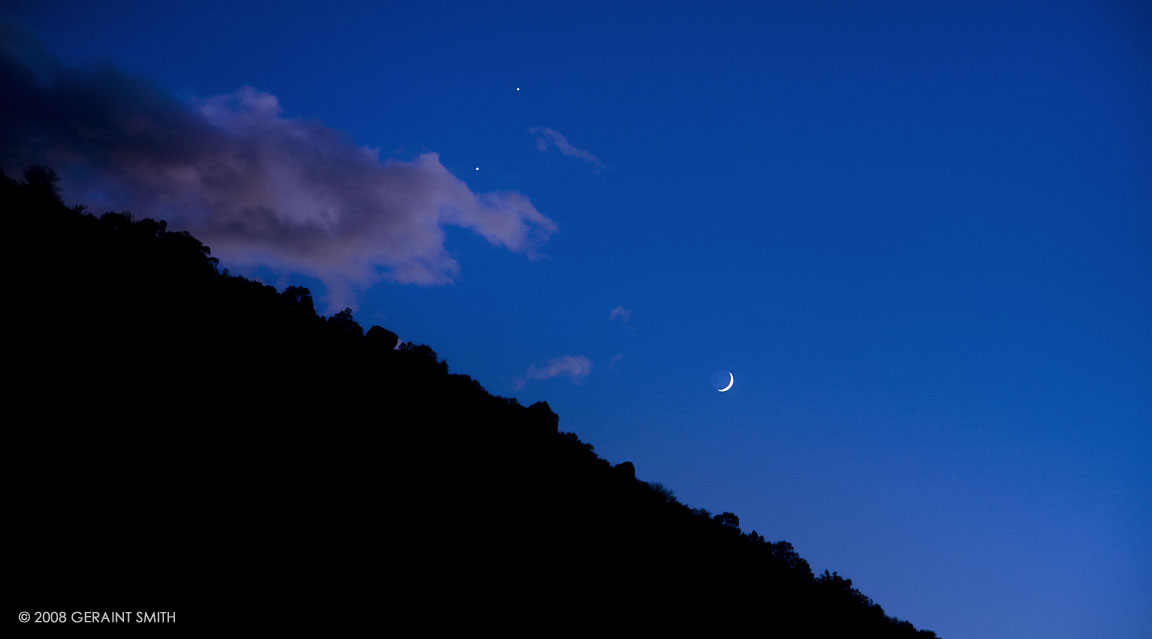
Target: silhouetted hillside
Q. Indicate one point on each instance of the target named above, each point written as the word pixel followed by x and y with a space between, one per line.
pixel 177 429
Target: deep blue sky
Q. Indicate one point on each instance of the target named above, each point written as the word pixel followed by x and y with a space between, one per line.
pixel 919 236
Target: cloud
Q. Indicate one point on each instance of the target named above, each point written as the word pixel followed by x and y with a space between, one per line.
pixel 546 137
pixel 616 359
pixel 621 313
pixel 257 187
pixel 576 367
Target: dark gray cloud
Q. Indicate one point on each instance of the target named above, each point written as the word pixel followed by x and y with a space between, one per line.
pixel 257 187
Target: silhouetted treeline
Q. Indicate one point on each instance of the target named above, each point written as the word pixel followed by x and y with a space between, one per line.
pixel 180 429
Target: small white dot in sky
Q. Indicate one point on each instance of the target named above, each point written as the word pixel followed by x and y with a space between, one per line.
pixel 477 168
pixel 517 88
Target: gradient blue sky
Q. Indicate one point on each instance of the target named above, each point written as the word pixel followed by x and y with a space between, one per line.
pixel 919 234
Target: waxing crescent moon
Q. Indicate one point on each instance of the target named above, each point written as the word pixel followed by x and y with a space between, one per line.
pixel 730 383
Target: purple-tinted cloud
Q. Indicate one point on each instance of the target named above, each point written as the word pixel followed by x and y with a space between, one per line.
pixel 576 367
pixel 257 187
pixel 546 137
pixel 621 313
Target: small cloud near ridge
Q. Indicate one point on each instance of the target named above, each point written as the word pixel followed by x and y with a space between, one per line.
pixel 546 137
pixel 575 367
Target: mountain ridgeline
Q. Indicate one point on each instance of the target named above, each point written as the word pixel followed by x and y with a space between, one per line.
pixel 180 432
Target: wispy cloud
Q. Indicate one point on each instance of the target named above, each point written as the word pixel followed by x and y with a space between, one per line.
pixel 621 313
pixel 257 187
pixel 575 367
pixel 546 137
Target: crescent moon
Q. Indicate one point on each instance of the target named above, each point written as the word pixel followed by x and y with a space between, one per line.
pixel 731 381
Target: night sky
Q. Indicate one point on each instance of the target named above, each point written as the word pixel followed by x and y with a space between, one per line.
pixel 920 238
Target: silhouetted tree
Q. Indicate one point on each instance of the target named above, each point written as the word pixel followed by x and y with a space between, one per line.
pixel 42 181
pixel 727 519
pixel 343 323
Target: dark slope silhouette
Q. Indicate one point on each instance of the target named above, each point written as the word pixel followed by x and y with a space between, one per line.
pixel 181 435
